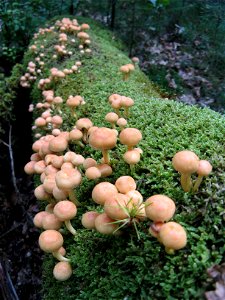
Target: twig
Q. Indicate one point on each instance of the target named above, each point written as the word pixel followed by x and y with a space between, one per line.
pixel 9 145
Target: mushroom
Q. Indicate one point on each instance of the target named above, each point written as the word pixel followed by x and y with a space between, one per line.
pixel 125 71
pixel 122 123
pixel 185 162
pixel 93 173
pixel 126 103
pixel 173 236
pixel 132 157
pixel 88 219
pixel 51 241
pixel 130 137
pixel 117 207
pixel 103 139
pixel 84 124
pixel 204 169
pixel 76 136
pixel 103 191
pixel 124 184
pixel 159 208
pixel 112 118
pixel 65 211
pixel 104 224
pixel 62 271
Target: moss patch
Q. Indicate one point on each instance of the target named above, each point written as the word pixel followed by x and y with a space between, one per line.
pixel 123 267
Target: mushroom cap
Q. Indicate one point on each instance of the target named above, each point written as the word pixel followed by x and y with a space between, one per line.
pixel 125 69
pixel 121 122
pixel 40 193
pixel 185 162
pixel 57 120
pixel 103 139
pixel 75 135
pixel 111 117
pixel 68 179
pixel 132 157
pixel 103 224
pixel 84 123
pixel 89 162
pixel 103 191
pixel 29 167
pixel 65 210
pixel 135 59
pixel 135 197
pixel 127 101
pixel 49 183
pixel 114 97
pixel 50 240
pixel 105 170
pixel 88 219
pixel 58 144
pixel 84 26
pixel 39 217
pixel 51 222
pixel 204 168
pixel 159 208
pixel 130 136
pixel 173 236
pixel 115 207
pixel 62 271
pixel 124 184
pixel 93 173
pixel 74 101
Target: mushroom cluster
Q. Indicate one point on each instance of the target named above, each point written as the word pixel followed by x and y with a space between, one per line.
pixel 61 158
pixel 186 162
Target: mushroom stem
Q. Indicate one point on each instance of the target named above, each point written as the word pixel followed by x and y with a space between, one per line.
pixel 117 111
pixel 73 113
pixel 59 256
pixel 125 76
pixel 85 136
pixel 126 112
pixel 106 157
pixel 186 182
pixel 73 198
pixel 70 227
pixel 80 144
pixel 129 148
pixel 169 251
pixel 197 183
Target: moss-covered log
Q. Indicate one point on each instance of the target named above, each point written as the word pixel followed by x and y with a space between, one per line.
pixel 123 267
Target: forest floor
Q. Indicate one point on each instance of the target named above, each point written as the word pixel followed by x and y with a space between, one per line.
pixel 180 70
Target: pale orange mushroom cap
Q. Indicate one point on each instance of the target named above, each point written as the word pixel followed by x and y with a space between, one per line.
pixel 132 157
pixel 65 210
pixel 93 173
pixel 62 271
pixel 159 208
pixel 111 117
pixel 103 224
pixel 185 162
pixel 88 219
pixel 75 135
pixel 84 123
pixel 50 240
pixel 103 191
pixel 173 236
pixel 58 144
pixel 204 168
pixel 124 184
pixel 68 179
pixel 130 136
pixel 103 139
pixel 115 207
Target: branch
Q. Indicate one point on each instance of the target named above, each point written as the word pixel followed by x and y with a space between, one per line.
pixel 9 145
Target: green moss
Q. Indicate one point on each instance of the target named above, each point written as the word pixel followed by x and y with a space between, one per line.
pixel 123 267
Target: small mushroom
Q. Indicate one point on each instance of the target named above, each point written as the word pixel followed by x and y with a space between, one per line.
pixel 130 137
pixel 112 118
pixel 65 211
pixel 173 236
pixel 186 163
pixel 103 139
pixel 62 271
pixel 204 169
pixel 51 241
